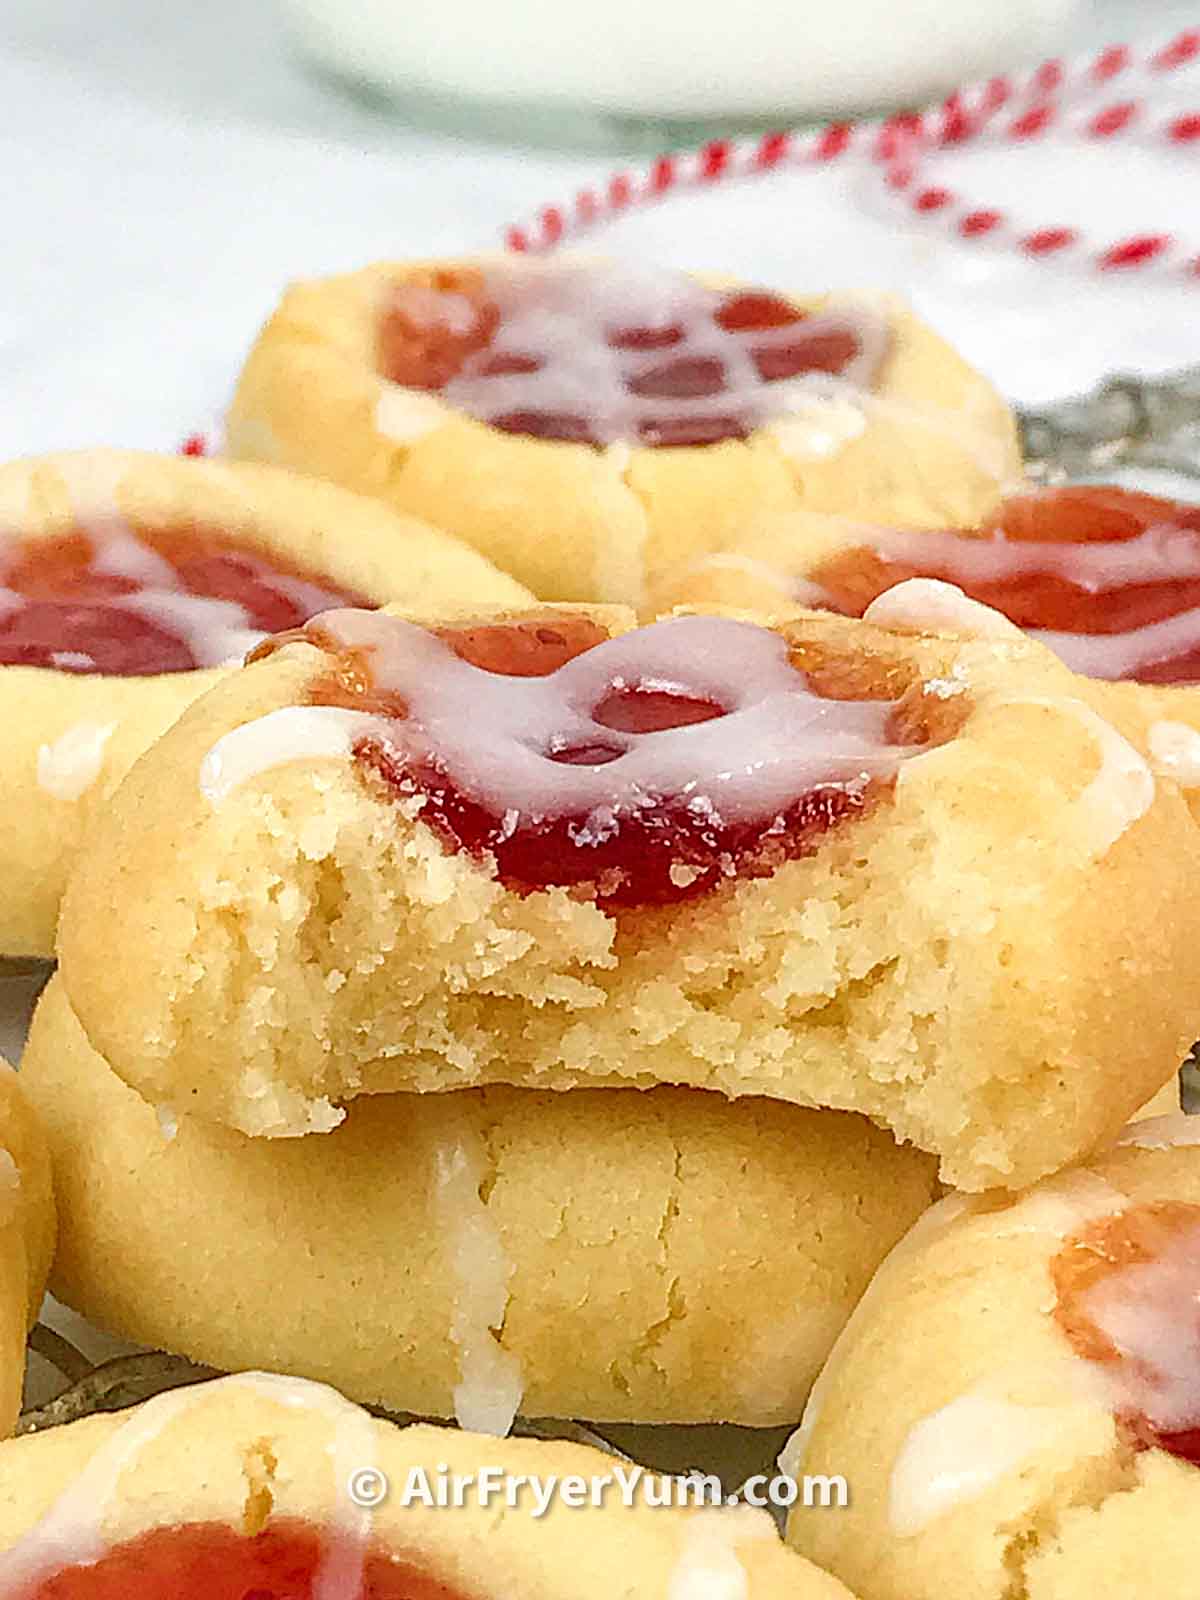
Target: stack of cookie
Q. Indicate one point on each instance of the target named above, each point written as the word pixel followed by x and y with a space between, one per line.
pixel 376 900
pixel 560 999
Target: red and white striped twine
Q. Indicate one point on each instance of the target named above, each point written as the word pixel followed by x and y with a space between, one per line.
pixel 1058 97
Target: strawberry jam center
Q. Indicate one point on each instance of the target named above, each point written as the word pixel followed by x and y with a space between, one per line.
pixel 596 356
pixel 125 603
pixel 208 1561
pixel 639 770
pixel 1108 578
pixel 1128 1299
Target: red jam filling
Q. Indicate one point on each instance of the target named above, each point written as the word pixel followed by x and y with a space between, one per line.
pixel 723 351
pixel 1128 1298
pixel 207 1561
pixel 121 603
pixel 1054 601
pixel 651 835
pixel 668 856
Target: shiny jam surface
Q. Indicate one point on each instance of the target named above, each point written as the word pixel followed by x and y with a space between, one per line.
pixel 107 599
pixel 1070 565
pixel 638 770
pixel 1128 1299
pixel 208 1561
pixel 595 356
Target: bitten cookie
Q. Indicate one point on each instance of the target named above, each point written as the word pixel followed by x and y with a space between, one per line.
pixel 1016 1406
pixel 27 1232
pixel 922 878
pixel 658 1257
pixel 126 580
pixel 1107 578
pixel 588 424
pixel 252 1485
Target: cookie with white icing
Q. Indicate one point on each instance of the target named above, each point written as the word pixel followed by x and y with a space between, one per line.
pixel 27 1235
pixel 647 1257
pixel 587 424
pixel 1107 578
pixel 252 1485
pixel 127 581
pixel 1016 1404
pixel 831 863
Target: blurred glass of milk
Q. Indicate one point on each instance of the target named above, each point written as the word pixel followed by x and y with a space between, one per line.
pixel 684 61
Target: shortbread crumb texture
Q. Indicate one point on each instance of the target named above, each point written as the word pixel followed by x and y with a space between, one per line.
pixel 261 1455
pixel 27 1236
pixel 1000 962
pixel 937 445
pixel 981 1451
pixel 73 736
pixel 666 1256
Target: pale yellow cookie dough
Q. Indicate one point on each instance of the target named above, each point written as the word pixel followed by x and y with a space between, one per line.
pixel 27 1236
pixel 981 1450
pixel 71 737
pixel 255 1452
pixel 670 1257
pixel 1000 961
pixel 764 565
pixel 933 444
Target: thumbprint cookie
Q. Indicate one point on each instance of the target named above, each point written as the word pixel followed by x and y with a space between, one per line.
pixel 646 1257
pixel 588 424
pixel 27 1235
pixel 848 865
pixel 1107 578
pixel 127 582
pixel 265 1487
pixel 1016 1405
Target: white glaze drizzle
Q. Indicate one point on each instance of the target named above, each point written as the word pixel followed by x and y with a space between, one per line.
pixel 351 1450
pixel 490 1387
pixel 958 1452
pixel 218 632
pixel 1121 792
pixel 930 1226
pixel 168 1123
pixel 930 604
pixel 562 314
pixel 69 767
pixel 407 414
pixel 1148 1311
pixel 708 1566
pixel 71 1531
pixel 1172 1132
pixel 818 424
pixel 1175 752
pixel 1160 554
pixel 1122 655
pixel 492 734
pixel 293 733
pixel 1060 1207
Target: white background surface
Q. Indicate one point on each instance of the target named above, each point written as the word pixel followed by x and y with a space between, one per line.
pixel 167 166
